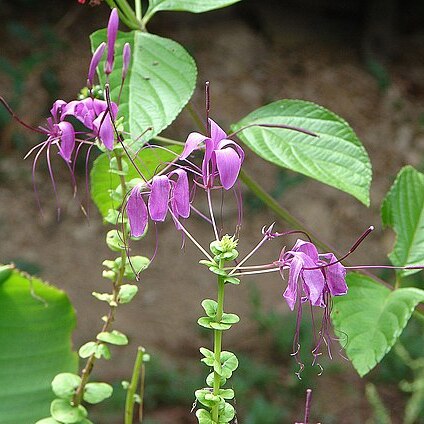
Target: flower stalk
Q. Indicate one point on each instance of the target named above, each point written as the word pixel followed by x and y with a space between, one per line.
pixel 218 341
pixel 138 373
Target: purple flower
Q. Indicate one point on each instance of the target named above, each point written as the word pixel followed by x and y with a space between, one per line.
pixel 163 193
pixel 311 275
pixel 112 32
pixel 58 133
pixel 313 278
pixel 94 114
pixel 222 157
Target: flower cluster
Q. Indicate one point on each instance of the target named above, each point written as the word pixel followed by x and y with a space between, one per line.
pixel 222 158
pixel 165 192
pixel 96 115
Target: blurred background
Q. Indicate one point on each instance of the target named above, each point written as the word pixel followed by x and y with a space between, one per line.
pixel 364 60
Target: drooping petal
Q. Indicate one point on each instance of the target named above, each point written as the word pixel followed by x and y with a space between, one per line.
pixel 229 164
pixel 313 280
pixel 217 133
pixel 290 294
pixel 103 129
pixel 308 248
pixel 95 60
pixel 335 275
pixel 126 57
pixel 181 194
pixel 137 212
pixel 192 143
pixel 67 140
pixel 112 31
pixel 159 197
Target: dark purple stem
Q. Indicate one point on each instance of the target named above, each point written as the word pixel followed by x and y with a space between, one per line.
pixel 208 107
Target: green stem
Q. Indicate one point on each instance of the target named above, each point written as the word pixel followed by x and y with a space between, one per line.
pixel 138 10
pixel 122 16
pixel 127 14
pixel 130 400
pixel 86 372
pixel 218 344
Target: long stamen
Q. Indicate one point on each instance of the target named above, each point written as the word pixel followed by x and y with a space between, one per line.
pixel 385 267
pixel 201 214
pixel 16 118
pixel 255 272
pixel 195 242
pixel 351 250
pixel 49 166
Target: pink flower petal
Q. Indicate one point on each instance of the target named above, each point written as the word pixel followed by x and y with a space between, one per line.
pixel 229 164
pixel 159 197
pixel 217 133
pixel 112 32
pixel 181 194
pixel 67 140
pixel 137 212
pixel 104 130
pixel 192 143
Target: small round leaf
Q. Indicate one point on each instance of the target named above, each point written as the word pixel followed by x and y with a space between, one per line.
pixel 114 337
pixel 64 412
pixel 65 384
pixel 97 392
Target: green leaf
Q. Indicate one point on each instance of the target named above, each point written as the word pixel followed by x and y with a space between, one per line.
pixel 210 306
pixel 160 82
pixel 127 293
pixel 232 280
pixel 47 421
pixel 205 322
pixel 114 337
pixel 219 326
pixel 97 392
pixel 204 417
pixel 226 393
pixel 403 210
pixel 148 161
pixel 229 360
pixel 372 317
pixel 65 384
pixel 336 157
pixel 227 413
pixel 115 240
pixel 64 412
pixel 229 318
pixel 206 398
pixel 210 378
pixel 194 6
pixel 36 322
pixel 90 348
